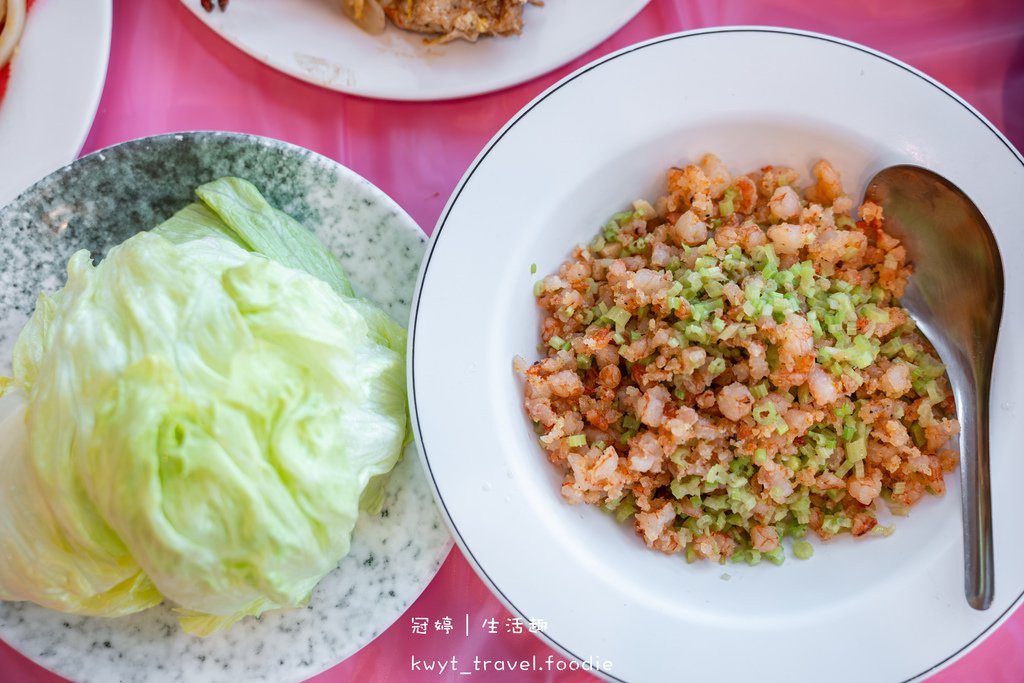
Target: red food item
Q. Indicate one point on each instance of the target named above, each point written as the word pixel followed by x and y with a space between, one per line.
pixel 5 72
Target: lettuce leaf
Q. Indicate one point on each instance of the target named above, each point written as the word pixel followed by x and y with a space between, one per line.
pixel 198 418
pixel 234 209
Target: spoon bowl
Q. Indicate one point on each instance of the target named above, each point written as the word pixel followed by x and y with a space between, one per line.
pixel 956 297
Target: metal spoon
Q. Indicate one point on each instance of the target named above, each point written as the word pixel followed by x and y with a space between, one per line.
pixel 956 297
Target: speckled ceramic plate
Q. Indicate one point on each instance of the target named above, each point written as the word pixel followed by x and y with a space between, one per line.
pixel 99 201
pixel 314 41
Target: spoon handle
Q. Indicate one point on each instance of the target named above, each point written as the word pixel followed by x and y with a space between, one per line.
pixel 979 575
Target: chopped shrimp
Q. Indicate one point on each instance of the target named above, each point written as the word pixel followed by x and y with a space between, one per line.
pixel 835 245
pixel 796 339
pixel 776 480
pixel 751 235
pixel 735 401
pixel 774 177
pixel 822 386
pixel 713 546
pixel 784 203
pixel 827 185
pixel 937 434
pixel 693 186
pixel 565 384
pixel 800 420
pixel 688 181
pixel 679 359
pixel 652 406
pixel 645 453
pixel 790 239
pixel 689 230
pixel 663 254
pixel 871 213
pixel 864 489
pixel 841 206
pixel 764 538
pixel 863 523
pixel 652 524
pixel 747 192
pixel 597 471
pixel 896 380
pixel 717 174
pixel 733 293
pixel 756 360
pixel 609 376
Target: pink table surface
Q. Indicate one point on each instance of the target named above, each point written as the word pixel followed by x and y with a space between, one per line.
pixel 170 73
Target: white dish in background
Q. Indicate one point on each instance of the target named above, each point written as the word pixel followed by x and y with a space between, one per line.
pixel 57 77
pixel 312 40
pixel 877 609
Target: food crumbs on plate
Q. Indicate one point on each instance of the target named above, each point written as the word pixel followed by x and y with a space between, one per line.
pixel 725 577
pixel 730 366
pixel 444 21
pixel 533 268
pixel 802 550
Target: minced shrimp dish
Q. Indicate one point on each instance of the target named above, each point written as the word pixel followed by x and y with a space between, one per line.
pixel 730 366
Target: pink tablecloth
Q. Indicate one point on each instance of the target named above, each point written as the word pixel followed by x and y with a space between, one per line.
pixel 170 73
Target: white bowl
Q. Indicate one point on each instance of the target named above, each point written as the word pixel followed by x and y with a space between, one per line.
pixel 875 609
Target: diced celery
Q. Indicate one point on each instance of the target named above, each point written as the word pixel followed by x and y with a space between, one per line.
pixel 625 509
pixel 717 503
pixel 558 343
pixel 619 316
pixel 682 489
pixel 777 556
pixel 802 550
pixel 713 289
pixel 696 333
pixel 764 413
pixel 729 331
pixel 716 474
pixel 875 314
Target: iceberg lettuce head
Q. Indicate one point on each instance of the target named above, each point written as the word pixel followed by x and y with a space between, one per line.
pixel 195 419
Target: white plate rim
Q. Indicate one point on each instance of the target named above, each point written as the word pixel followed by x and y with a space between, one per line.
pixel 453 199
pixel 398 95
pixel 37 32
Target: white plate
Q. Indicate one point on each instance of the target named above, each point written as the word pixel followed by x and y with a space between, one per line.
pixel 312 40
pixel 99 201
pixel 56 80
pixel 875 610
